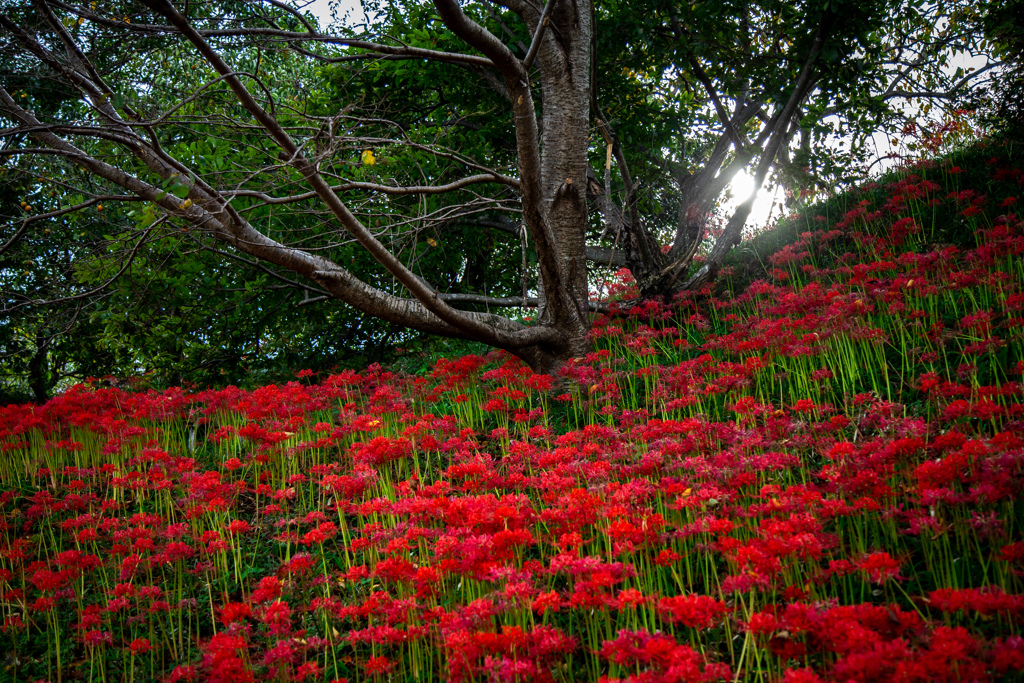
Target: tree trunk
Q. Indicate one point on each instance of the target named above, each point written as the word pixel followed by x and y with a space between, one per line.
pixel 563 58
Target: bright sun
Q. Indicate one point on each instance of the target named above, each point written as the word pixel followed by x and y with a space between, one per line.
pixel 741 188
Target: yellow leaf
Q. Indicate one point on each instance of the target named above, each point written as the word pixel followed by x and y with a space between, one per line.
pixel 368 158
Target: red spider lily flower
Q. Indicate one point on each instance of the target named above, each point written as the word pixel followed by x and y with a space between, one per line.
pixel 281 653
pixel 1013 552
pixel 234 611
pixel 183 672
pixel 667 557
pixel 805 675
pixel 762 623
pixel 804 405
pixel 222 661
pixel 97 638
pixel 986 602
pixel 277 615
pixel 238 526
pixel 693 611
pixel 43 604
pixel 300 564
pixel 269 588
pixel 630 597
pixel 320 535
pixel 140 646
pixel 661 654
pixel 47 580
pixel 547 601
pixel 308 670
pixel 376 666
pixel 1008 655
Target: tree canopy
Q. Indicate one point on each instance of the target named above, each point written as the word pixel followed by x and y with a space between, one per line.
pixel 215 188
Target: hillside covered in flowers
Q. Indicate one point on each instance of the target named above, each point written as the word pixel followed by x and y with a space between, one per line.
pixel 818 476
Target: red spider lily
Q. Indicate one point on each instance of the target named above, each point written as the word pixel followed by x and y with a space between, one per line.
pixel 238 526
pixel 727 466
pixel 320 535
pixel 661 655
pixel 269 588
pixel 376 666
pixel 762 623
pixel 631 598
pixel 96 638
pixel 693 611
pixel 222 659
pixel 234 611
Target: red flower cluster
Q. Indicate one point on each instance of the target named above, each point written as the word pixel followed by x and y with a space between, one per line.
pixel 818 479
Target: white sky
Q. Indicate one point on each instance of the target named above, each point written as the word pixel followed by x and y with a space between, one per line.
pixel 350 12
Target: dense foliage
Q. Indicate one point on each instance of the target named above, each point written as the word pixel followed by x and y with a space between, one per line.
pixel 117 166
pixel 819 478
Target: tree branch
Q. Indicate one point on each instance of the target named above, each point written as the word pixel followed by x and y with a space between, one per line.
pixel 804 82
pixel 231 229
pixel 527 138
pixel 425 294
pixel 538 36
pixel 406 52
pixel 390 190
pixel 480 38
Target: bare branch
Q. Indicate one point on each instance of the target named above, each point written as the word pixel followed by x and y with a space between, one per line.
pixel 375 187
pixel 604 256
pixel 737 138
pixel 15 237
pixel 538 35
pixel 263 269
pixel 804 82
pixel 405 52
pixel 483 40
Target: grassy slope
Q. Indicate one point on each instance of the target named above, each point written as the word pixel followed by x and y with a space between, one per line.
pixel 817 479
pixel 752 259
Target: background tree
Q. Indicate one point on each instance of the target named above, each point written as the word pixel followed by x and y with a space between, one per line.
pixel 1000 22
pixel 446 162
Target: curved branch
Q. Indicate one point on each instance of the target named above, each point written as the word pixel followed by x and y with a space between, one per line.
pixel 340 283
pixel 804 83
pixel 426 295
pixel 374 187
pixel 605 256
pixel 15 237
pixel 480 38
pixel 287 36
pixel 263 269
